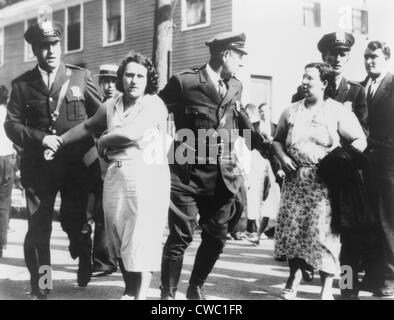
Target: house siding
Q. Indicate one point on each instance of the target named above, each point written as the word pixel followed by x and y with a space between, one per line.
pixel 189 49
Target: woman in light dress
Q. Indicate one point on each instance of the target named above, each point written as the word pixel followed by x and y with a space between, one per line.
pixel 307 131
pixel 137 183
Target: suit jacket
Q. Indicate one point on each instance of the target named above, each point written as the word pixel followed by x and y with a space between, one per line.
pixel 196 104
pixel 256 126
pixel 381 113
pixel 351 94
pixel 32 103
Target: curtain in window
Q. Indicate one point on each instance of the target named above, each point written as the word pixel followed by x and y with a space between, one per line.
pixel 195 12
pixel 114 31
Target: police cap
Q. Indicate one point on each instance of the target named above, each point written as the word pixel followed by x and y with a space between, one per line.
pixel 43 32
pixel 228 40
pixel 336 41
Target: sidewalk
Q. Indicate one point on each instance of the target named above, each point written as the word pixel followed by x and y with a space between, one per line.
pixel 244 272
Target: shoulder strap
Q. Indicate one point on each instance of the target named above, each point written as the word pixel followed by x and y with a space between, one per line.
pixel 62 94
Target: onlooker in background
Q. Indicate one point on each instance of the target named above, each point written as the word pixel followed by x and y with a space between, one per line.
pixel 380 87
pixel 335 50
pixel 7 167
pixel 102 263
pixel 45 101
pixel 307 131
pixel 266 127
pixel 107 80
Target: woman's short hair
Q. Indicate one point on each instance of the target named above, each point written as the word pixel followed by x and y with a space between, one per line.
pixel 152 77
pixel 326 74
pixel 375 45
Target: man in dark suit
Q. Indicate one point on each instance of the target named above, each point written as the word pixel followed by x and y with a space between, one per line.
pixel 44 103
pixel 379 85
pixel 335 50
pixel 206 107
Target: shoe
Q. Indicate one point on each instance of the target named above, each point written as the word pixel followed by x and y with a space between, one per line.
pixel 39 294
pixel 195 293
pixel 384 292
pixel 307 275
pixel 126 297
pixel 84 270
pixel 349 295
pixel 167 293
pixel 289 293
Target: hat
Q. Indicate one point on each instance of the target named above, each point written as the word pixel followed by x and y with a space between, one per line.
pixel 228 40
pixel 108 70
pixel 337 40
pixel 43 32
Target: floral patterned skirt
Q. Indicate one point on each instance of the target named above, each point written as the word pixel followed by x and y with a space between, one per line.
pixel 304 222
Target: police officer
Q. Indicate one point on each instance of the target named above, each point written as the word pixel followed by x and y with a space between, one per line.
pixel 44 103
pixel 335 50
pixel 204 100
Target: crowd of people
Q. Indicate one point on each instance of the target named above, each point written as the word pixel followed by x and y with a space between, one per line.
pixel 323 173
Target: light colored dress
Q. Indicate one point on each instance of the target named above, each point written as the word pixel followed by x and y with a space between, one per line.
pixel 137 185
pixel 304 221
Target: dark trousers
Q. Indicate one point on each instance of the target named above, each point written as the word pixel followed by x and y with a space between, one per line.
pixel 68 177
pixel 358 251
pixel 100 255
pixel 218 215
pixel 7 164
pixel 381 191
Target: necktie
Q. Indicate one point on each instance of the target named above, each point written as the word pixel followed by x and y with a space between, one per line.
pixel 370 92
pixel 222 89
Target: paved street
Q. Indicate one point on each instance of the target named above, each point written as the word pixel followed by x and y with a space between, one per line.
pixel 244 272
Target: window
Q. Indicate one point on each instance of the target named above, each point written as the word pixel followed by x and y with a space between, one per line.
pixel 360 21
pixel 113 22
pixel 29 56
pixel 311 14
pixel 196 14
pixel 1 46
pixel 73 30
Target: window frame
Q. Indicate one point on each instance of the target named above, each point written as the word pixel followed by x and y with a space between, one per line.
pixel 27 45
pixel 303 13
pixel 122 25
pixel 184 26
pixel 367 24
pixel 2 46
pixel 66 51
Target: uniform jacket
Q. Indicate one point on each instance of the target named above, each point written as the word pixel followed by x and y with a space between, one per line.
pixel 32 103
pixel 196 104
pixel 381 112
pixel 351 94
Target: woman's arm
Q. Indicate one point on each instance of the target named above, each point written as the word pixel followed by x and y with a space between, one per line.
pixel 279 141
pixel 94 125
pixel 152 116
pixel 350 129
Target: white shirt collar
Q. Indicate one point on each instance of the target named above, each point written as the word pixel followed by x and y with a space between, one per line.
pixel 44 74
pixel 214 76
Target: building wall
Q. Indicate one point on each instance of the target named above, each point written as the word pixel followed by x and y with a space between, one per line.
pixel 280 46
pixel 138 36
pixel 189 49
